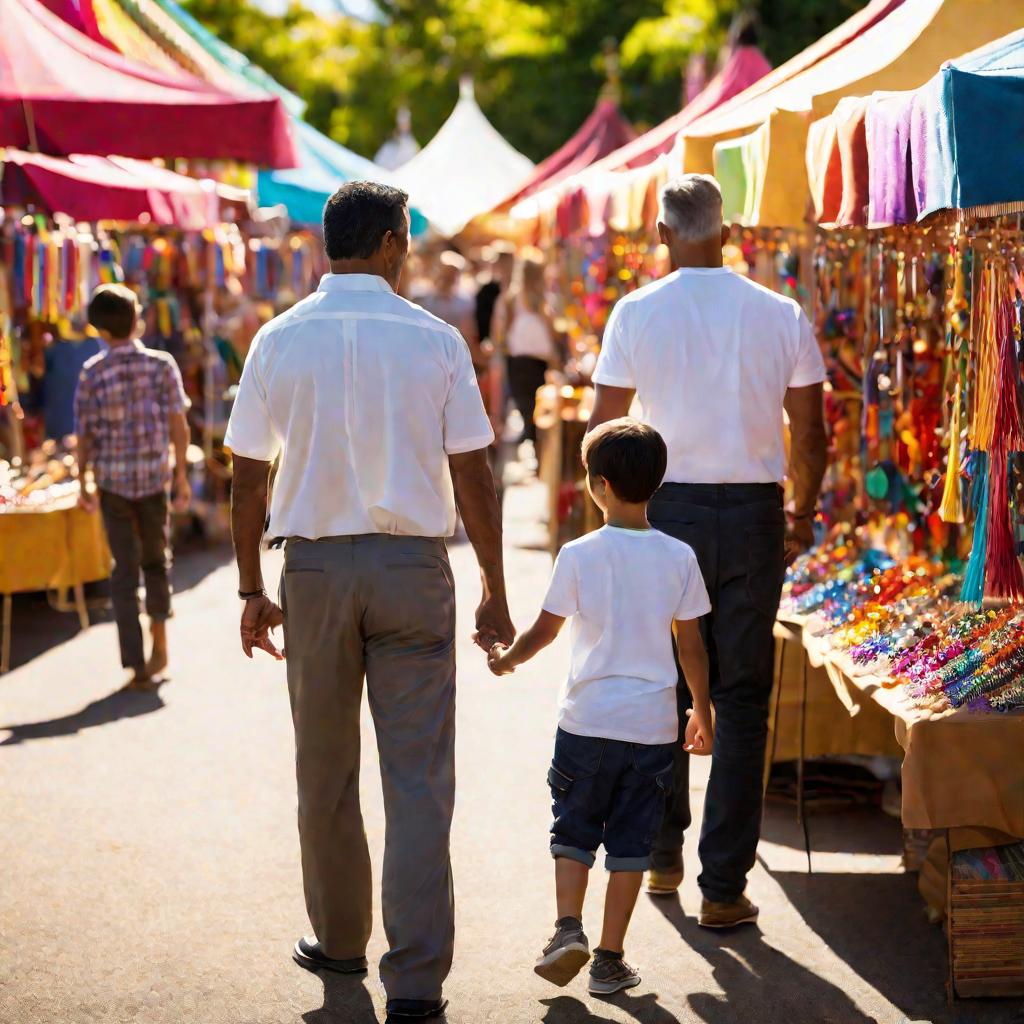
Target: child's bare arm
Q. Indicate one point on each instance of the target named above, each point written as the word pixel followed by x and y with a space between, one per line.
pixel 503 660
pixel 693 659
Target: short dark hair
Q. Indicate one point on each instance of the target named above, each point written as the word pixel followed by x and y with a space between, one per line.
pixel 630 455
pixel 114 308
pixel 358 216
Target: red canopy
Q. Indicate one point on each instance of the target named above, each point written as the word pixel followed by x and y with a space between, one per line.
pixel 603 132
pixel 745 66
pixel 94 188
pixel 61 93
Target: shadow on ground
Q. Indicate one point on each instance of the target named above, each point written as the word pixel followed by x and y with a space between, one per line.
pixel 37 628
pixel 346 1001
pixel 120 704
pixel 854 830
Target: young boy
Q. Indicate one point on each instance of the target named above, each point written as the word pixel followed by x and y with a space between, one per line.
pixel 626 587
pixel 129 411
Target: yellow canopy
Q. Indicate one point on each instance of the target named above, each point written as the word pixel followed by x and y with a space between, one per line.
pixel 901 51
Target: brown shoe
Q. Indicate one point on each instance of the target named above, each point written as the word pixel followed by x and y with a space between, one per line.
pixel 727 915
pixel 664 883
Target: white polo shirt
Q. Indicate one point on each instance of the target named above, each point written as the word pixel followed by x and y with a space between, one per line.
pixel 364 395
pixel 711 354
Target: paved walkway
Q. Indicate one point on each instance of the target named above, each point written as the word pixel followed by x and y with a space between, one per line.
pixel 150 871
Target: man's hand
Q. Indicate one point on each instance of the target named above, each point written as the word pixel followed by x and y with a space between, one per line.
pixel 799 538
pixel 700 733
pixel 493 623
pixel 497 661
pixel 87 500
pixel 259 616
pixel 182 494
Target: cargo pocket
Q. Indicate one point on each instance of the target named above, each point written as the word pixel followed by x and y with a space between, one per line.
pixel 559 782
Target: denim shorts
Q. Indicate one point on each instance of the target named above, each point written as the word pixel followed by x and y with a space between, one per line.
pixel 608 792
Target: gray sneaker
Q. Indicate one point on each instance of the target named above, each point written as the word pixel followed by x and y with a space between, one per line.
pixel 566 953
pixel 609 974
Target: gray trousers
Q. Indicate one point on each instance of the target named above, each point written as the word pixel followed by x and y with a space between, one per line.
pixel 382 608
pixel 139 535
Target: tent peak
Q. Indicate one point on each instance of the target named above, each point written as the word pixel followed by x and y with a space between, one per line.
pixel 466 91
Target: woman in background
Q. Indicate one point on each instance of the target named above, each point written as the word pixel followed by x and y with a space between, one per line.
pixel 524 327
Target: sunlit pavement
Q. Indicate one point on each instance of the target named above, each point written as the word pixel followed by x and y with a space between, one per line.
pixel 149 865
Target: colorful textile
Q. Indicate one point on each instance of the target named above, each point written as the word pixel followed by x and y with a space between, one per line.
pixel 124 402
pixel 891 198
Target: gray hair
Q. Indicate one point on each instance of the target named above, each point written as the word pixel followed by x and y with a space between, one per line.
pixel 691 206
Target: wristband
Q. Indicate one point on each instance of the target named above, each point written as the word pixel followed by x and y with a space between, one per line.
pixel 249 595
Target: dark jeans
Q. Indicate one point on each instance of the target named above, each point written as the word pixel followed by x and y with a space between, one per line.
pixel 525 377
pixel 138 531
pixel 738 534
pixel 607 792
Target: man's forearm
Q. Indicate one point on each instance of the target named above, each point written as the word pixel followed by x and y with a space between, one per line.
pixel 609 404
pixel 179 442
pixel 83 454
pixel 249 489
pixel 478 505
pixel 808 450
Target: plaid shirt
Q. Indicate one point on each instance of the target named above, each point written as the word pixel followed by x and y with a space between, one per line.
pixel 123 404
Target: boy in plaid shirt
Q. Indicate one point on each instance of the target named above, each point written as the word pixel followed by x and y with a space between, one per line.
pixel 129 412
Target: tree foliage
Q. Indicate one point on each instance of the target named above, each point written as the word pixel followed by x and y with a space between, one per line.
pixel 538 65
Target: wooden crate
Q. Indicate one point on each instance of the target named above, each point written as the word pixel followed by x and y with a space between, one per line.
pixel 986 937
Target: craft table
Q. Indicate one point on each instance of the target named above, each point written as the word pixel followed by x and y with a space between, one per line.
pixel 963 781
pixel 58 550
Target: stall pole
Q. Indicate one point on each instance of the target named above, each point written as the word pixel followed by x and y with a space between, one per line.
pixel 209 355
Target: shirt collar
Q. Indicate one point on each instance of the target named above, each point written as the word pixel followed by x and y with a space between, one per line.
pixel 704 270
pixel 353 283
pixel 116 350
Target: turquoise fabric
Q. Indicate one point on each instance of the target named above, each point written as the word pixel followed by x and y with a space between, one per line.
pixel 967 133
pixel 323 166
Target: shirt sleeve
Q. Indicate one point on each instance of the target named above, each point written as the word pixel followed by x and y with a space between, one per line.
pixel 694 601
pixel 563 591
pixel 177 400
pixel 251 432
pixel 466 426
pixel 84 407
pixel 615 364
pixel 810 367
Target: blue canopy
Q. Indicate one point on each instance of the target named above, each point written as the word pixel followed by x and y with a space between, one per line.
pixel 323 166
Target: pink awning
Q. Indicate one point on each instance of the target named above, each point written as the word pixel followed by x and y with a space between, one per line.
pixel 93 188
pixel 61 92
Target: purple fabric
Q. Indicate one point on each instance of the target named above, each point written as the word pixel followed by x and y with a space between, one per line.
pixel 891 195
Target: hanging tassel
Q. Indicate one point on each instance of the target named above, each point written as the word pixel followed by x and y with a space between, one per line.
pixel 1003 577
pixel 973 590
pixel 951 509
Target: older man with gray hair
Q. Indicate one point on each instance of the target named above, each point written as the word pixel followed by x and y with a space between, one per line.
pixel 715 361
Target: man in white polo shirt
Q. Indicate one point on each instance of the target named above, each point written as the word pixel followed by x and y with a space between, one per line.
pixel 373 407
pixel 715 360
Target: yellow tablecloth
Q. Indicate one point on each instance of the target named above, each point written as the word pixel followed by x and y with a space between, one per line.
pixel 51 550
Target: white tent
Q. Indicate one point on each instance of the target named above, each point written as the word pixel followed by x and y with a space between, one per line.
pixel 465 170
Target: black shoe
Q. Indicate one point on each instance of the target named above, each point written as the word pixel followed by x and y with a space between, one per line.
pixel 308 954
pixel 402 1011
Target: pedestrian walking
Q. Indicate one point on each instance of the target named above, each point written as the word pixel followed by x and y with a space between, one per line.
pixel 130 412
pixel 372 406
pixel 525 328
pixel 717 362
pixel 626 588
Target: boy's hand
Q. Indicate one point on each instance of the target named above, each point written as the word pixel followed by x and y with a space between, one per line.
pixel 497 661
pixel 700 733
pixel 182 494
pixel 88 500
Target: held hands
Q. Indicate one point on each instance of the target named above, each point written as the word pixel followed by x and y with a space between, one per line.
pixel 700 733
pixel 497 660
pixel 259 616
pixel 493 623
pixel 88 500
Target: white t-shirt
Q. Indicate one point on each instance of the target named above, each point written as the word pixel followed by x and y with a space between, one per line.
pixel 623 590
pixel 364 395
pixel 711 355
